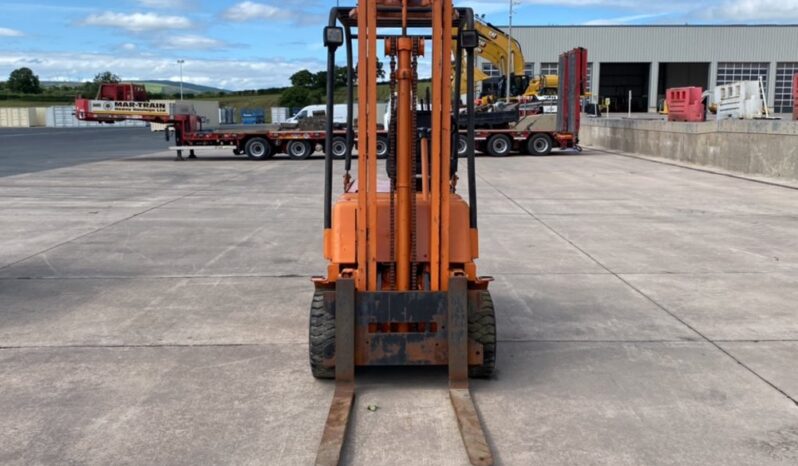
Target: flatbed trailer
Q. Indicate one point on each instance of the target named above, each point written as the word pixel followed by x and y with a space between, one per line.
pixel 262 144
pixel 300 145
pixel 503 142
pixel 498 134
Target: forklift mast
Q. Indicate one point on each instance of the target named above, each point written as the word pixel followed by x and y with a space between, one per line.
pixel 402 287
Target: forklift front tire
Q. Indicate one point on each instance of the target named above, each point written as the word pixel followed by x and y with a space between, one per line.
pixel 482 329
pixel 321 335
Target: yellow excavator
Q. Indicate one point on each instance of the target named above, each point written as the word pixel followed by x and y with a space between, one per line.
pixel 493 46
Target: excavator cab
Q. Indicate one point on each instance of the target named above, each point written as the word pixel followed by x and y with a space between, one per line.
pixel 402 287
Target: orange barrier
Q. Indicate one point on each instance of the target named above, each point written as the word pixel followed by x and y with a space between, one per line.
pixel 685 104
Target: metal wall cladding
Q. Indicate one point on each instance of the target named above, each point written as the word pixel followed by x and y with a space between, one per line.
pixel 645 44
pixel 740 100
pixel 280 114
pixel 227 116
pixel 26 117
pixel 685 104
pixel 63 117
pixel 207 109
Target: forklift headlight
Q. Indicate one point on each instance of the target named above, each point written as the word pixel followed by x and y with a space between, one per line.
pixel 333 37
pixel 470 39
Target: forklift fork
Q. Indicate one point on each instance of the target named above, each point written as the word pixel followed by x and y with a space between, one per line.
pixel 335 429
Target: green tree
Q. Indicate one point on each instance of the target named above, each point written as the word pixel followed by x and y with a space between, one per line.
pixel 303 78
pixel 24 81
pixel 317 97
pixel 320 80
pixel 296 97
pixel 341 76
pixel 380 72
pixel 106 77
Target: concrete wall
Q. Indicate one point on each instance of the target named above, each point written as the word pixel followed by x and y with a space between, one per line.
pixel 62 116
pixel 26 117
pixel 762 148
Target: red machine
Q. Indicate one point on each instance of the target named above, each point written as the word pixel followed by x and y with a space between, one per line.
pixel 795 97
pixel 686 104
pixel 127 92
pixel 572 86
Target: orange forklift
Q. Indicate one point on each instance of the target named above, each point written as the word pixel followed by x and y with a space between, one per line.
pixel 402 287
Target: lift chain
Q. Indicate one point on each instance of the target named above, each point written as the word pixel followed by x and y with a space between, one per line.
pixel 413 167
pixel 392 168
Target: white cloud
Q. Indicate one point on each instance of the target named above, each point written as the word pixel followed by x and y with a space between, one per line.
pixel 128 47
pixel 170 4
pixel 252 11
pixel 227 74
pixel 6 32
pixel 754 10
pixel 534 8
pixel 137 22
pixel 192 42
pixel 248 11
pixel 621 20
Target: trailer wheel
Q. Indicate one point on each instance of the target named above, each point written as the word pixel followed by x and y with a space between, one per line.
pixel 462 146
pixel 258 149
pixel 539 144
pixel 482 329
pixel 500 145
pixel 321 338
pixel 383 146
pixel 339 148
pixel 299 150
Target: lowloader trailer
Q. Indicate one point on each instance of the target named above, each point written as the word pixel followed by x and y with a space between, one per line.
pixel 120 102
pixel 497 134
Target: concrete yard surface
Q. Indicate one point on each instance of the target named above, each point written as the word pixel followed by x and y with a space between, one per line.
pixel 156 312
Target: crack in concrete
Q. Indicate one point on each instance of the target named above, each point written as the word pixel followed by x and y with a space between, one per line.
pixel 644 295
pixel 112 224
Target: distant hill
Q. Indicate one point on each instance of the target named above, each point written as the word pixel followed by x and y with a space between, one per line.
pixel 173 87
pixel 155 87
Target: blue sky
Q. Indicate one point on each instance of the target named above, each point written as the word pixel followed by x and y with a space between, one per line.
pixel 255 44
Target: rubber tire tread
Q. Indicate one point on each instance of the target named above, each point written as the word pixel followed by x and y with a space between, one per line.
pixel 308 150
pixel 464 155
pixel 268 147
pixel 530 145
pixel 482 329
pixel 321 336
pixel 340 140
pixel 387 146
pixel 493 153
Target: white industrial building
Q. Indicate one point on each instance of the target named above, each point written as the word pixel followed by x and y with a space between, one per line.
pixel 647 60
